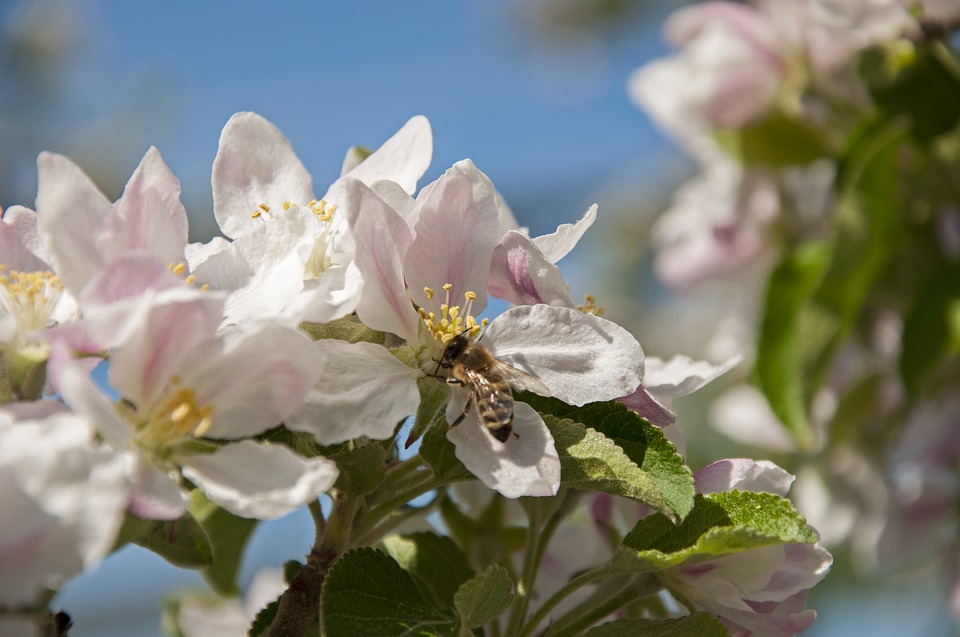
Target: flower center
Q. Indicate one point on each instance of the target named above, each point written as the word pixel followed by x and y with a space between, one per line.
pixel 451 320
pixel 173 418
pixel 590 306
pixel 191 279
pixel 321 208
pixel 321 255
pixel 30 297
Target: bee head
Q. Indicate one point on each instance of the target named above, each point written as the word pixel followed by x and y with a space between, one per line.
pixel 455 346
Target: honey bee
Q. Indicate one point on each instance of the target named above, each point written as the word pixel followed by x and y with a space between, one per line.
pixel 472 366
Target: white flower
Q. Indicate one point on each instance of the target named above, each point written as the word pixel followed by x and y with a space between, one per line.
pixel 579 358
pixel 181 380
pixel 291 254
pixel 63 500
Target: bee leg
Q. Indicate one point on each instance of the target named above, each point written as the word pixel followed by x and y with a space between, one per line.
pixel 463 414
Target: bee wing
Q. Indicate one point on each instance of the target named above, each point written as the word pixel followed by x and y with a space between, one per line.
pixel 522 380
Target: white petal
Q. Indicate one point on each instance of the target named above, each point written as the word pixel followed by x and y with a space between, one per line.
pixel 525 465
pixel 150 216
pixel 255 165
pixel 259 481
pixel 398 199
pixel 363 391
pixel 21 245
pixel 582 358
pixel 558 244
pixel 520 274
pixel 197 253
pixel 74 216
pixel 81 394
pixel 334 295
pixel 403 158
pixel 382 238
pixel 155 495
pixel 743 474
pixel 127 276
pixel 455 238
pixel 642 402
pixel 253 377
pixel 682 375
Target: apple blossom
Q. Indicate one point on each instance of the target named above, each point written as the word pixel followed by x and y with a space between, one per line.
pixel 291 254
pixel 183 381
pixel 84 231
pixel 63 499
pixel 579 358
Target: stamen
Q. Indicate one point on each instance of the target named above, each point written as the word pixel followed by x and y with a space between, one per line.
pixel 590 306
pixel 260 210
pixel 451 320
pixel 30 297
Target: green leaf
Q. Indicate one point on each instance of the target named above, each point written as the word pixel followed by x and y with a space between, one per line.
pixel 368 593
pixel 782 344
pixel 927 92
pixel 642 442
pixel 440 454
pixel 775 141
pixel 431 411
pixel 346 329
pixel 435 560
pixel 261 623
pixel 929 328
pixel 182 542
pixel 228 534
pixel 695 625
pixel 484 597
pixel 361 469
pixel 720 524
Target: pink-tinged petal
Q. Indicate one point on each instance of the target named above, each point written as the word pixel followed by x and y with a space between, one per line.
pixel 362 391
pixel 81 394
pixel 164 329
pixel 681 375
pixel 743 474
pixel 74 217
pixel 403 158
pixel 642 402
pixel 558 244
pixel 525 465
pixel 21 246
pixel 520 274
pixel 155 494
pixel 255 165
pixel 382 237
pixel 259 481
pixel 581 357
pixel 745 22
pixel 150 216
pixel 253 377
pixel 126 276
pixel 508 221
pixel 398 199
pixel 455 237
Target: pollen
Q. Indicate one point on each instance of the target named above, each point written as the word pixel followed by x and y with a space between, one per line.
pixel 30 297
pixel 590 306
pixel 451 320
pixel 180 270
pixel 174 417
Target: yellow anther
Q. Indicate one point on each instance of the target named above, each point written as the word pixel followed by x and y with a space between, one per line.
pixel 205 287
pixel 202 428
pixel 470 296
pixel 287 205
pixel 448 286
pixel 180 412
pixel 590 306
pixel 191 279
pixel 428 292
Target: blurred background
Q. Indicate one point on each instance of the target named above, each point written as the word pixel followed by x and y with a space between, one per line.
pixel 533 91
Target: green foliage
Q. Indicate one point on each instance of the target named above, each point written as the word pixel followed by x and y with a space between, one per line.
pixel 929 331
pixel 720 524
pixel 606 447
pixel 440 454
pixel 346 329
pixel 435 560
pixel 695 625
pixel 361 469
pixel 228 538
pixel 182 542
pixel 775 141
pixel 261 623
pixel 433 401
pixel 368 593
pixel 484 597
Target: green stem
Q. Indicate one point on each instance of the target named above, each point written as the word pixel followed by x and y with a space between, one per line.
pixel 393 521
pixel 609 596
pixel 373 516
pixel 319 522
pixel 531 555
pixel 572 586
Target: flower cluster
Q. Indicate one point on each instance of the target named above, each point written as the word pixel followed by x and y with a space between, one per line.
pixel 148 377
